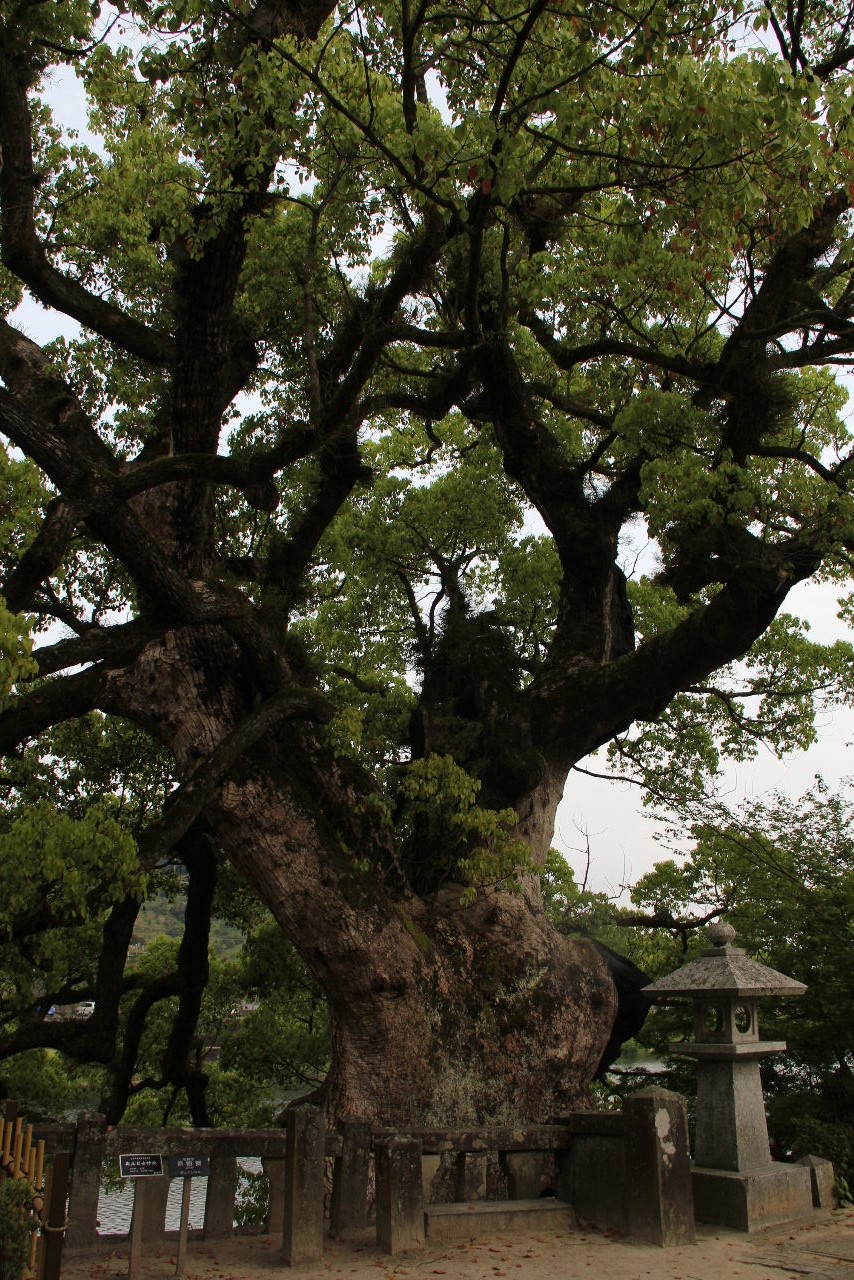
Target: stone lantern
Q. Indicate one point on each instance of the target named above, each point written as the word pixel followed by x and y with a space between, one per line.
pixel 736 1183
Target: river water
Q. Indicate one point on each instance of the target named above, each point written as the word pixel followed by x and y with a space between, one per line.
pixel 115 1207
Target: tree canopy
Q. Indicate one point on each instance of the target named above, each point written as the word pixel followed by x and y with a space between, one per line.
pixel 396 321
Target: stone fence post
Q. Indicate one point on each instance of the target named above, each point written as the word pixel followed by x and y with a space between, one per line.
pixel 149 1216
pixel 349 1208
pixel 400 1196
pixel 154 1206
pixel 305 1165
pixel 86 1182
pixel 823 1182
pixel 591 1174
pixel 660 1201
pixel 219 1201
pixel 274 1172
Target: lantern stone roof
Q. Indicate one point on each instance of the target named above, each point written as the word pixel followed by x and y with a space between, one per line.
pixel 723 970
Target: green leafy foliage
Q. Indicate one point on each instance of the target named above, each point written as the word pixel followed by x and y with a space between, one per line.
pixel 15 650
pixel 74 804
pixel 784 874
pixel 393 326
pixel 46 1085
pixel 477 843
pixel 262 1035
pixel 47 857
pixel 252 1199
pixel 16 1226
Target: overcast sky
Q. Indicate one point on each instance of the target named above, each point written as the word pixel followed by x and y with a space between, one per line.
pixel 622 835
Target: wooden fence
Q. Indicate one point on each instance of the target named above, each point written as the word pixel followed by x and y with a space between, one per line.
pixel 42 1203
pixel 626 1170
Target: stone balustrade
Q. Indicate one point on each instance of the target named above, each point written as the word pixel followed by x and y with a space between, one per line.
pixel 628 1170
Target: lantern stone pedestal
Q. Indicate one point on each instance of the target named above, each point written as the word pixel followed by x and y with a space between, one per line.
pixel 735 1181
pixel 752 1198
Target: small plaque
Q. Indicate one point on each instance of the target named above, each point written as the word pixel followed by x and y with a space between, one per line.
pixel 189 1166
pixel 140 1165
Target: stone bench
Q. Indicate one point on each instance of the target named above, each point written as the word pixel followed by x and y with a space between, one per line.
pixel 446 1223
pixel 638 1164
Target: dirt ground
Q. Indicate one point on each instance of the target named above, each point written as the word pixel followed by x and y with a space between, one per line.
pixel 819 1250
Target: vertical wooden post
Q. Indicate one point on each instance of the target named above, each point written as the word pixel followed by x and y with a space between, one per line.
pixel 8 1133
pixel 23 1170
pixel 17 1144
pixel 56 1190
pixel 140 1209
pixel 350 1178
pixel 37 1181
pixel 400 1197
pixel 183 1229
pixel 86 1181
pixel 305 1161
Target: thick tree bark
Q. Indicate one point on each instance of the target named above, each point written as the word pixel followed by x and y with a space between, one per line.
pixel 438 1011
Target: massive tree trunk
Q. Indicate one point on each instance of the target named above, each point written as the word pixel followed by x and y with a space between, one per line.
pixel 441 1009
pixel 438 1010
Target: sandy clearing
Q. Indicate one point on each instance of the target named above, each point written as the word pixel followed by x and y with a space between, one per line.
pixel 818 1250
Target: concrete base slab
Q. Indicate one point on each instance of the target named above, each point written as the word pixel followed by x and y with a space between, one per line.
pixel 752 1199
pixel 822 1249
pixel 466 1221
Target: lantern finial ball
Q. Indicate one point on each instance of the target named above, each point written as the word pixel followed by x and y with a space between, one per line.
pixel 721 934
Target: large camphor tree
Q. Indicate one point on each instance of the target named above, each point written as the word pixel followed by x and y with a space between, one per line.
pixel 393 318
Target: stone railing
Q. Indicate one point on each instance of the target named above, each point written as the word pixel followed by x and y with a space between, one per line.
pixel 627 1170
pixel 94 1145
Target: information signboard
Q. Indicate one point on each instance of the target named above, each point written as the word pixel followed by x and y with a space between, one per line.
pixel 189 1166
pixel 140 1165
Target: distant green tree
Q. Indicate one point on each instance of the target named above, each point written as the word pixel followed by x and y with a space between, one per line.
pixel 783 872
pixel 261 1037
pixel 74 808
